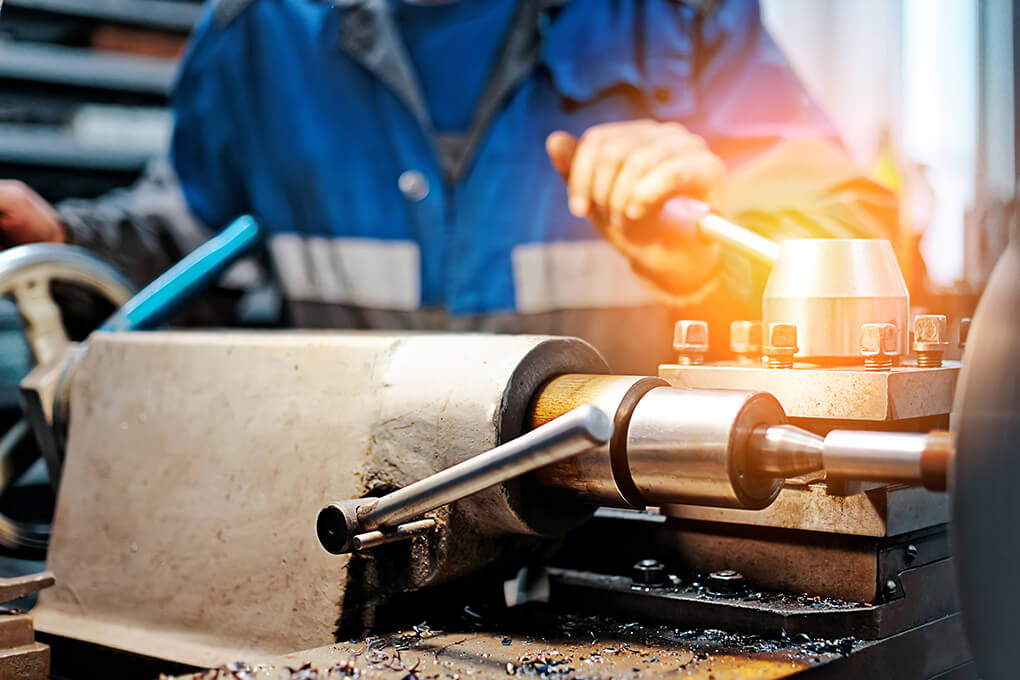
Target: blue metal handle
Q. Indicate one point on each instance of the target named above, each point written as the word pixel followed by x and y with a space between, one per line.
pixel 159 300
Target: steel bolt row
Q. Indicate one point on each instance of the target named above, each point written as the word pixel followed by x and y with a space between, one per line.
pixel 879 342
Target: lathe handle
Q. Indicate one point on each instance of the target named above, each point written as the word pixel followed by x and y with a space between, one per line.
pixel 346 525
pixel 678 213
pixel 159 300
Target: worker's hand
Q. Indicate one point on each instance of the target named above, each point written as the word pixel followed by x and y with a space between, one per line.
pixel 26 217
pixel 619 175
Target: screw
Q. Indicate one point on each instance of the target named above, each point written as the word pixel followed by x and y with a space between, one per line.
pixel 745 340
pixel 911 552
pixel 880 345
pixel 890 589
pixel 690 340
pixel 782 345
pixel 648 573
pixel 931 339
pixel 964 332
pixel 725 582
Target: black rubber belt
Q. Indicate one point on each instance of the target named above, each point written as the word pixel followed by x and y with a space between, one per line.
pixel 618 444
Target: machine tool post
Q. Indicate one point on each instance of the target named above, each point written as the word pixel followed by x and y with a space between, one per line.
pixel 785 450
pixel 343 526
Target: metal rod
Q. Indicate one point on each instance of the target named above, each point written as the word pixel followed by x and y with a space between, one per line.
pixel 572 433
pixel 874 456
pixel 739 238
pixel 375 538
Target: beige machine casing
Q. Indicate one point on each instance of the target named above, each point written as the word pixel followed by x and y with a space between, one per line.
pixel 197 463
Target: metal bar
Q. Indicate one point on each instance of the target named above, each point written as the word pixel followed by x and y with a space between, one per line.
pixel 739 238
pixel 375 538
pixel 874 456
pixel 572 433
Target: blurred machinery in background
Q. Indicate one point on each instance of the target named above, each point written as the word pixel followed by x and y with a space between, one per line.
pixel 83 90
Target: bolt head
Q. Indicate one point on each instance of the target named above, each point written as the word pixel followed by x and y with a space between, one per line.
pixel 725 581
pixel 690 336
pixel 782 336
pixel 745 337
pixel 879 340
pixel 931 333
pixel 964 332
pixel 648 573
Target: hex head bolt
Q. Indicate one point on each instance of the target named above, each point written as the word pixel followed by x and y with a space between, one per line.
pixel 745 341
pixel 931 339
pixel 690 340
pixel 782 345
pixel 880 345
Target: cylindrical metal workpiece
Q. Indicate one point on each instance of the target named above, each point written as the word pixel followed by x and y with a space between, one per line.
pixel 590 476
pixel 693 446
pixel 566 436
pixel 874 456
pixel 889 457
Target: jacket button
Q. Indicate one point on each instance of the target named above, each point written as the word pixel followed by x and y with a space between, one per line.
pixel 413 185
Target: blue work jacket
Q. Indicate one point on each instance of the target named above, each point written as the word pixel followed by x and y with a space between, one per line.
pixel 307 115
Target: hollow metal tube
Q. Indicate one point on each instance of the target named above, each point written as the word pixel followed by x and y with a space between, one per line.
pixel 572 433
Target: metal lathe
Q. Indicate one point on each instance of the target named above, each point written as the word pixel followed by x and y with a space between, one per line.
pixel 337 504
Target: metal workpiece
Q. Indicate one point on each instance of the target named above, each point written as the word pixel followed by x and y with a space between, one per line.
pixel 931 339
pixel 600 475
pixel 785 450
pixel 690 340
pixel 829 288
pixel 895 457
pixel 584 427
pixel 693 446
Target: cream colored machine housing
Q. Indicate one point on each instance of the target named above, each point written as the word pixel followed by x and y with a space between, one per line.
pixel 197 463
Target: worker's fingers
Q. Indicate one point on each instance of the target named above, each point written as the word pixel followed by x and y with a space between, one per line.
pixel 561 147
pixel 582 170
pixel 612 156
pixel 636 166
pixel 586 157
pixel 697 176
pixel 25 216
pixel 13 195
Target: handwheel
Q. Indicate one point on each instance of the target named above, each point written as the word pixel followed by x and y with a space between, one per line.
pixel 26 274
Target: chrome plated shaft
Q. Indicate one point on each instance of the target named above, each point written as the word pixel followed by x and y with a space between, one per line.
pixel 739 238
pixel 874 456
pixel 890 457
pixel 572 433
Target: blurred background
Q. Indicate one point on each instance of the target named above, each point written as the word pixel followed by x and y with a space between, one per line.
pixel 922 91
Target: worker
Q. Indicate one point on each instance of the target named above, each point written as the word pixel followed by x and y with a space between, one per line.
pixel 406 160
